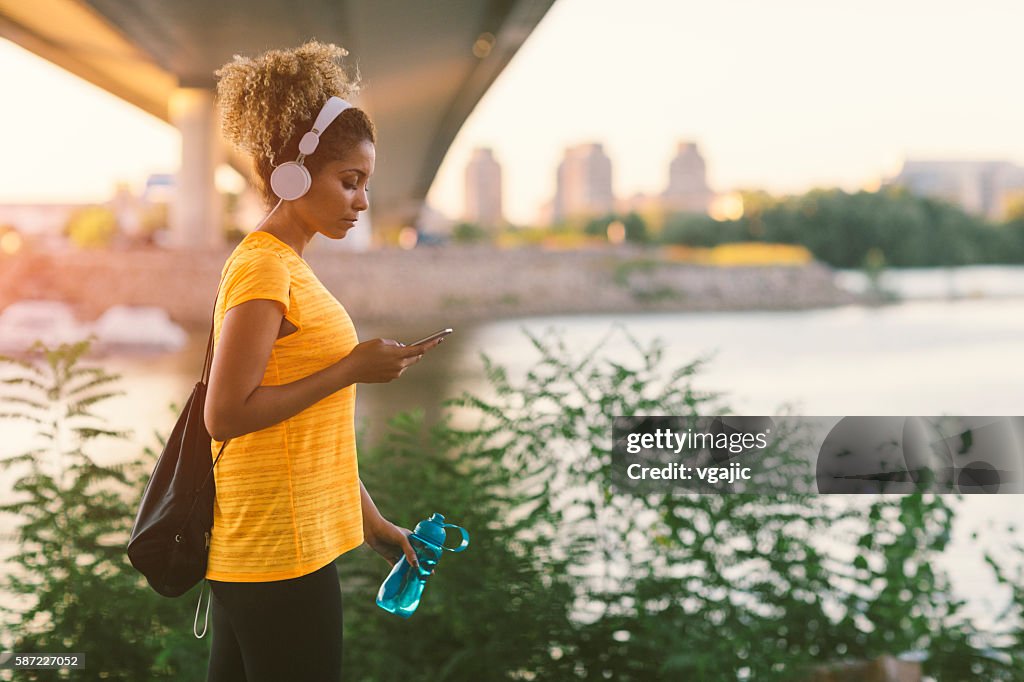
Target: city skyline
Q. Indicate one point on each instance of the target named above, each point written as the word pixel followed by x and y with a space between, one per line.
pixel 989 188
pixel 783 98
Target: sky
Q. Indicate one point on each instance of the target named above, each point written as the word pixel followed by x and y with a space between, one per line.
pixel 784 95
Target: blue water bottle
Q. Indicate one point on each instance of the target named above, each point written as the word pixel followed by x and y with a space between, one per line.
pixel 401 591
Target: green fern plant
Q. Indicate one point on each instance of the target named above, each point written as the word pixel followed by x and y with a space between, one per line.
pixel 70 575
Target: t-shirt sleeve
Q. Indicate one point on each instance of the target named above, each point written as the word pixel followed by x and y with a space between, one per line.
pixel 257 273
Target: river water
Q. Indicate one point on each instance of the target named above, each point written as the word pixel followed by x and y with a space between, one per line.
pixel 962 354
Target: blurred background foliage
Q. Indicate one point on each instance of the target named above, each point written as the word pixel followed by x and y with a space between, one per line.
pixel 92 227
pixel 843 229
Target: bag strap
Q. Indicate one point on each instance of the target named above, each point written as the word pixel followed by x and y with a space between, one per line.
pixel 205 378
pixel 207 364
pixel 209 344
pixel 209 350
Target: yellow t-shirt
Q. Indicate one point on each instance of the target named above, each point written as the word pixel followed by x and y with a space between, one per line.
pixel 287 498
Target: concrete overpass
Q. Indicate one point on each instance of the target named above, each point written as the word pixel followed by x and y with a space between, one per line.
pixel 425 64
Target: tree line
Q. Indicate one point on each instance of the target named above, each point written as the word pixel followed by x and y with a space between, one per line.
pixel 890 227
pixel 848 230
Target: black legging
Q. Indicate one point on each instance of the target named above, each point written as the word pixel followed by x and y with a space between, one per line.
pixel 277 631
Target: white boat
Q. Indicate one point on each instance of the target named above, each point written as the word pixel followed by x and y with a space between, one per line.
pixel 24 322
pixel 124 328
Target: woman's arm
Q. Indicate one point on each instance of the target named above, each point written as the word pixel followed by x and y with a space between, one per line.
pixel 384 537
pixel 236 404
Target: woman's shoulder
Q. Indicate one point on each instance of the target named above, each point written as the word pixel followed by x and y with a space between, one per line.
pixel 254 251
pixel 261 242
pixel 254 270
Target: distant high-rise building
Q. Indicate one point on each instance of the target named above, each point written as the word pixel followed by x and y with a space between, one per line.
pixel 687 188
pixel 584 183
pixel 985 188
pixel 483 189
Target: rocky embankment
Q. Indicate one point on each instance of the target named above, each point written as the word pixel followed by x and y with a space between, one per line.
pixel 450 283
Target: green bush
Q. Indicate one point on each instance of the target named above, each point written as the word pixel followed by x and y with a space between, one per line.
pixel 635 226
pixel 568 578
pixel 841 229
pixel 70 568
pixel 470 233
pixel 92 227
pixel 692 229
pixel 565 578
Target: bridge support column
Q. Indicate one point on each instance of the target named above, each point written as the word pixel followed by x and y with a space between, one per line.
pixel 197 210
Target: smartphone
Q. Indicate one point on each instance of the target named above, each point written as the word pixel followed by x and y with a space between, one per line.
pixel 441 333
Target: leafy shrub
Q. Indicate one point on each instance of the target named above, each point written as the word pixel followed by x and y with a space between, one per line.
pixel 78 591
pixel 568 578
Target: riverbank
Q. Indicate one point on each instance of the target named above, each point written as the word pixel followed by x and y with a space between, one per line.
pixel 454 283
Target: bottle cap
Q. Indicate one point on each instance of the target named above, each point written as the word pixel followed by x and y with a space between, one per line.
pixel 431 530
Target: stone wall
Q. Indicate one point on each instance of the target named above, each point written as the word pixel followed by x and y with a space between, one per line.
pixel 453 283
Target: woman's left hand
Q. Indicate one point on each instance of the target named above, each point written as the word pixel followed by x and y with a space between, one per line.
pixel 390 541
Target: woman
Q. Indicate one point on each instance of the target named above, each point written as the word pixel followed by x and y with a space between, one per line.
pixel 282 384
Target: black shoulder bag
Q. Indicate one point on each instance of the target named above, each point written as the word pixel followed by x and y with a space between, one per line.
pixel 170 540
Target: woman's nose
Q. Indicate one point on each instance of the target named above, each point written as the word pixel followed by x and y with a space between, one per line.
pixel 362 201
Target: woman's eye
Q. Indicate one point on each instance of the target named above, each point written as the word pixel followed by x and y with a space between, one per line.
pixel 349 186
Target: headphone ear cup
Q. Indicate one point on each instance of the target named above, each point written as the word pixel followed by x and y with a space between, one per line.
pixel 289 181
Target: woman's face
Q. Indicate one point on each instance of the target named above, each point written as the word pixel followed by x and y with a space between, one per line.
pixel 339 193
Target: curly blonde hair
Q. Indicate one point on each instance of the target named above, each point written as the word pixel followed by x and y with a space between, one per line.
pixel 268 102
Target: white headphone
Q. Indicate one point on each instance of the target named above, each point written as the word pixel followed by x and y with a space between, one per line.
pixel 292 180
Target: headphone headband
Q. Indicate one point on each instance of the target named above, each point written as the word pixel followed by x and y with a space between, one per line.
pixel 291 180
pixel 331 110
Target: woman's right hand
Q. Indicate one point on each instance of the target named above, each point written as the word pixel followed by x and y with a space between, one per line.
pixel 379 361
